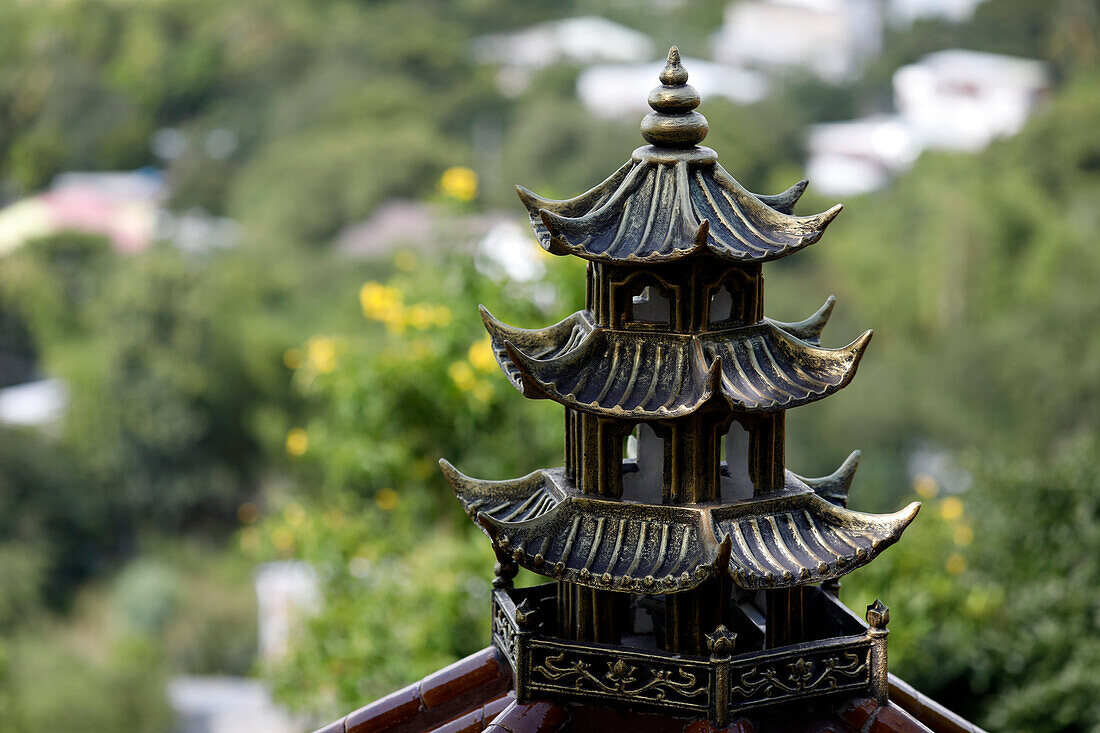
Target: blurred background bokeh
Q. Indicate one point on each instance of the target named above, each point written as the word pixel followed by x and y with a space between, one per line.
pixel 242 244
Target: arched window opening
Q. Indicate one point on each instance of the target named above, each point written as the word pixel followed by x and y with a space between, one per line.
pixel 734 470
pixel 721 306
pixel 650 305
pixel 643 475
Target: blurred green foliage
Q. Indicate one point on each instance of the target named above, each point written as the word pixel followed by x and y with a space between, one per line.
pixel 319 391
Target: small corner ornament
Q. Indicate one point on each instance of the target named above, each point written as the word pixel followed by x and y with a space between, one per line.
pixel 721 642
pixel 526 615
pixel 878 615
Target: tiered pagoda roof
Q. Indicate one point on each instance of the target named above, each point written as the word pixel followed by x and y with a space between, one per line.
pixel 757 368
pixel 665 206
pixel 785 539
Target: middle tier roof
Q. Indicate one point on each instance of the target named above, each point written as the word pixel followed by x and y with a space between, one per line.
pixel 646 375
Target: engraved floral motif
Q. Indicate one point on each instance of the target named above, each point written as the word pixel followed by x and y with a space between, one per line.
pixel 766 682
pixel 621 679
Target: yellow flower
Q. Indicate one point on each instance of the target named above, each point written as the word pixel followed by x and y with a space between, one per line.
pixel 396 321
pixel 379 302
pixel 294 514
pixel 951 508
pixel 293 358
pixel 956 564
pixel 297 442
pixel 386 499
pixel 321 354
pixel 421 316
pixel 405 260
pixel 462 375
pixel 481 356
pixel 442 315
pixel 459 182
pixel 963 534
pixel 925 486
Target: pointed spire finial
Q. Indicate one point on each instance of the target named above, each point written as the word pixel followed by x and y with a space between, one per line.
pixel 674 123
pixel 673 74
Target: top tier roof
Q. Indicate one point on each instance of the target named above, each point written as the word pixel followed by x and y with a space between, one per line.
pixel 672 199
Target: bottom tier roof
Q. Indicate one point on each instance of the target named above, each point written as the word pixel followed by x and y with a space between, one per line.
pixel 788 538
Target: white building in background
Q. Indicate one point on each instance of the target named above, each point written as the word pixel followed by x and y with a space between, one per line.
pixel 583 40
pixel 949 100
pixel 963 100
pixel 620 90
pixel 828 38
pixel 904 12
pixel 857 156
pixel 38 404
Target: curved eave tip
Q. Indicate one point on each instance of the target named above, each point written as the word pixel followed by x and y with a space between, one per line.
pixel 531 385
pixel 488 318
pixel 702 234
pixel 555 244
pixel 530 199
pixel 484 521
pixel 454 477
pixel 851 463
pixel 910 511
pixel 828 216
pixel 713 382
pixel 860 344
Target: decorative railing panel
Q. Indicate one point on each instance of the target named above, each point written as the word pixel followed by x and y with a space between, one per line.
pixel 719 687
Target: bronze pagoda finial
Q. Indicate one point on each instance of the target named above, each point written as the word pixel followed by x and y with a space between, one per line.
pixel 674 123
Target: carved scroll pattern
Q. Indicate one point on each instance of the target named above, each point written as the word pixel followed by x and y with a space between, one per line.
pixel 635 681
pixel 504 633
pixel 765 683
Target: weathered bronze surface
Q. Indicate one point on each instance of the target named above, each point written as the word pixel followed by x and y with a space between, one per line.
pixel 685 554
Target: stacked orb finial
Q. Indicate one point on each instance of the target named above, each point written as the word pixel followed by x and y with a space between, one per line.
pixel 674 123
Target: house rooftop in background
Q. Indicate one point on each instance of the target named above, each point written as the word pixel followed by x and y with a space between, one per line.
pixel 948 100
pixel 121 205
pixel 583 40
pixel 828 38
pixel 691 579
pixel 37 404
pixel 904 12
pixel 127 207
pixel 962 100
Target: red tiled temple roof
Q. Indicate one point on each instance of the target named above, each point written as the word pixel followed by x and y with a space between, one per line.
pixel 473 695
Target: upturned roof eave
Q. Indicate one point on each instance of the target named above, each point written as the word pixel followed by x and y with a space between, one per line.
pixel 778 540
pixel 759 368
pixel 692 206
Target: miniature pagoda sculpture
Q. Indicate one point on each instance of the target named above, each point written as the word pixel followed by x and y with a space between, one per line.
pixel 691 572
